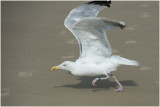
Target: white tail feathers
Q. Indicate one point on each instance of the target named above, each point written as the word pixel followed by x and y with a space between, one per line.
pixel 124 61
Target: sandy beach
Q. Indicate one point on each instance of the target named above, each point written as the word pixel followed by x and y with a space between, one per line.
pixel 34 39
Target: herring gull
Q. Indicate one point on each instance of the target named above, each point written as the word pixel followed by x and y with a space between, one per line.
pixel 95 50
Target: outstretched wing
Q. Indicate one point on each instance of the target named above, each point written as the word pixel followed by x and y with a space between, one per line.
pixel 91 32
pixel 90 9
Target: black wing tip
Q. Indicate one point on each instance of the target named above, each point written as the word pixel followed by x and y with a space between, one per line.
pixel 122 25
pixel 101 3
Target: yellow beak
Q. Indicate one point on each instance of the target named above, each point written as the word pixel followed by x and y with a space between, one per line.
pixel 55 67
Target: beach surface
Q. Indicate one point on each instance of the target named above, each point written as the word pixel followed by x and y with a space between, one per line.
pixel 34 39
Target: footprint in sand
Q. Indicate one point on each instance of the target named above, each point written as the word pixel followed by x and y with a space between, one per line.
pixel 144 68
pixel 144 5
pixel 130 42
pixel 63 32
pixel 131 28
pixel 72 42
pixel 114 51
pixel 5 92
pixel 25 74
pixel 156 82
pixel 145 15
pixel 67 57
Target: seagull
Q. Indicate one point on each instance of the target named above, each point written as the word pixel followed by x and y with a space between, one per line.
pixel 96 57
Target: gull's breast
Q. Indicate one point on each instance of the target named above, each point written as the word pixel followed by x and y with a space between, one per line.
pixel 88 69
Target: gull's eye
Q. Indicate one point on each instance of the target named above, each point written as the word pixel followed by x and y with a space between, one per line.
pixel 64 64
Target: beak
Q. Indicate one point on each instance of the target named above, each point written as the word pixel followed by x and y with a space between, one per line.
pixel 55 67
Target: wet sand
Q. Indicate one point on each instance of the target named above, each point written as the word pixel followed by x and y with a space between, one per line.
pixel 34 39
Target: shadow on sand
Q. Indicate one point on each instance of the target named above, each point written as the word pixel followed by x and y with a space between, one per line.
pixel 85 82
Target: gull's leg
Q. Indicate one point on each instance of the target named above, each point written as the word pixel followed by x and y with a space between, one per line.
pixel 98 79
pixel 120 89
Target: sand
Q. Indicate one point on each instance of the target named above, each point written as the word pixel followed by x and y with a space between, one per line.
pixel 34 39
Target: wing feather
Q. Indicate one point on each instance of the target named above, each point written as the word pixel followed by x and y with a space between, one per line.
pixel 90 9
pixel 91 31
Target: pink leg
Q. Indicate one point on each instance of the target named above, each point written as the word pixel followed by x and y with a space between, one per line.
pixel 120 89
pixel 98 79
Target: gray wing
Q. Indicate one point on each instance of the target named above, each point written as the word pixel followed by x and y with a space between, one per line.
pixel 90 9
pixel 91 31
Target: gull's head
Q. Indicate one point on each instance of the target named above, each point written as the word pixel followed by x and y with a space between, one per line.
pixel 66 65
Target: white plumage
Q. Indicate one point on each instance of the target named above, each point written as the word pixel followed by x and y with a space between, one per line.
pixel 95 51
